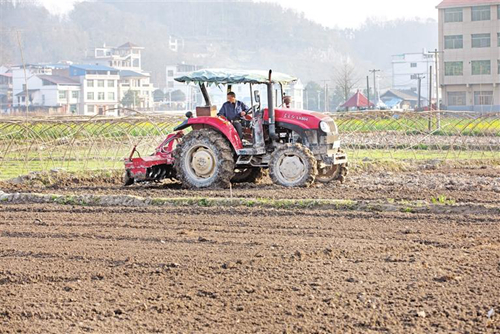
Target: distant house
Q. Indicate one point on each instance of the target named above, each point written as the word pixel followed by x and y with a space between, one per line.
pixel 52 93
pixel 99 89
pixel 402 99
pixel 357 102
pixel 406 69
pixel 128 59
pixel 5 91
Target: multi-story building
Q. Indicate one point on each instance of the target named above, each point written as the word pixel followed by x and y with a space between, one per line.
pixel 125 57
pixel 469 41
pixel 140 84
pixel 408 67
pixel 20 81
pixel 99 89
pixel 189 90
pixel 128 59
pixel 53 93
pixel 5 91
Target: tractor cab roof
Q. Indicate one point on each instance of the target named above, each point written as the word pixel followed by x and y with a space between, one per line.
pixel 234 77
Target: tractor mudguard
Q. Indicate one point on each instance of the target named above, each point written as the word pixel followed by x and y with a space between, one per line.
pixel 220 124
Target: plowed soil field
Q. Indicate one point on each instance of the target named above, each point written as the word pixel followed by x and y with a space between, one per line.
pixel 119 269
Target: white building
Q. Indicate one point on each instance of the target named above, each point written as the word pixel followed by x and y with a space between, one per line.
pixel 51 92
pixel 138 83
pixel 407 67
pixel 191 91
pixel 469 38
pixel 99 89
pixel 125 57
pixel 19 80
pixel 128 59
pixel 296 91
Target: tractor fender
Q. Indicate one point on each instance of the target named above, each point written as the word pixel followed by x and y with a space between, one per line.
pixel 217 123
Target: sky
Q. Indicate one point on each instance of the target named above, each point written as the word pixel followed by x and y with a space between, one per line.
pixel 330 13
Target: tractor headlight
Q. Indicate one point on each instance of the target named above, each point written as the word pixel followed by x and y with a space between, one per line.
pixel 325 127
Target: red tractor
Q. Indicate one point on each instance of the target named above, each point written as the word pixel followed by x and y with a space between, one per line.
pixel 297 146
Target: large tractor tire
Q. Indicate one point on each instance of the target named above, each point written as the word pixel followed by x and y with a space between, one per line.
pixel 204 159
pixel 247 175
pixel 293 165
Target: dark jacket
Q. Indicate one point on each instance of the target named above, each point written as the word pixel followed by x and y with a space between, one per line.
pixel 232 111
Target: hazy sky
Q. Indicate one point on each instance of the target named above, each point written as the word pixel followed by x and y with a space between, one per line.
pixel 331 13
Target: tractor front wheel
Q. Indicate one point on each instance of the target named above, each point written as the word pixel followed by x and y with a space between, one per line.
pixel 204 159
pixel 293 165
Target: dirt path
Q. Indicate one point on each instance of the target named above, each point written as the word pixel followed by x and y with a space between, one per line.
pixel 222 270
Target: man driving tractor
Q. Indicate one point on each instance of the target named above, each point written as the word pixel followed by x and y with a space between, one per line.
pixel 234 110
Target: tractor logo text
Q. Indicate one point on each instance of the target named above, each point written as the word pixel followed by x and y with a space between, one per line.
pixel 297 117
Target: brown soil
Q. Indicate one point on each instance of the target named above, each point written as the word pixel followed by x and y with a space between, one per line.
pixel 463 185
pixel 243 270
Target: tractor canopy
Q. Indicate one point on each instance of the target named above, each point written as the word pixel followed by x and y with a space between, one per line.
pixel 234 77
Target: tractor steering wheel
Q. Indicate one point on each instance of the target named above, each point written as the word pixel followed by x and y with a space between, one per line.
pixel 252 109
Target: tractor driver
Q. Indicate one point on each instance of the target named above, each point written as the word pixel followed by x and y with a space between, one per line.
pixel 234 110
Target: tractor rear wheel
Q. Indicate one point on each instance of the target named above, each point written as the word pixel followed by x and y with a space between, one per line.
pixel 293 165
pixel 247 175
pixel 204 159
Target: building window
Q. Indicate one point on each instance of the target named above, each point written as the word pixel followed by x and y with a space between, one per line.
pixel 111 83
pixel 90 83
pixel 75 94
pixel 170 73
pixel 481 13
pixel 100 83
pixel 63 94
pixel 453 15
pixel 481 67
pixel 90 109
pixel 413 65
pixel 483 98
pixel 481 40
pixel 457 98
pixel 414 77
pixel 100 96
pixel 111 96
pixel 454 42
pixel 90 96
pixel 453 68
pixel 72 108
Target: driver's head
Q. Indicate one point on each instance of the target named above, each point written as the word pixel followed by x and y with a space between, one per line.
pixel 231 97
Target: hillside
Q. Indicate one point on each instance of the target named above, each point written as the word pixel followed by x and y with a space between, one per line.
pixel 225 33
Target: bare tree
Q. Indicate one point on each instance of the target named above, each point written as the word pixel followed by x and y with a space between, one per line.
pixel 345 78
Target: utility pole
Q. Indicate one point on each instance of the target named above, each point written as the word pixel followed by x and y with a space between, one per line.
pixel 375 92
pixel 430 88
pixel 325 107
pixel 25 76
pixel 319 100
pixel 438 106
pixel 368 89
pixel 419 77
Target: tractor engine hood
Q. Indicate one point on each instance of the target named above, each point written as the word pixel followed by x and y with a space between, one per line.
pixel 307 120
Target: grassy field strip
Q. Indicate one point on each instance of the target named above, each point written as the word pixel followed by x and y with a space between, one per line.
pixel 438 205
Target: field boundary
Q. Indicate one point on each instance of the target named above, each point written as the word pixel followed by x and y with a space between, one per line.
pixel 435 206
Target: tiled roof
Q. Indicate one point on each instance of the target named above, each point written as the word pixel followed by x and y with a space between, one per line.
pixel 128 73
pixel 94 67
pixel 129 45
pixel 59 80
pixel 466 3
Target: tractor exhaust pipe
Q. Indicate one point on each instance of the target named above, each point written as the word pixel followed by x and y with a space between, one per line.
pixel 270 107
